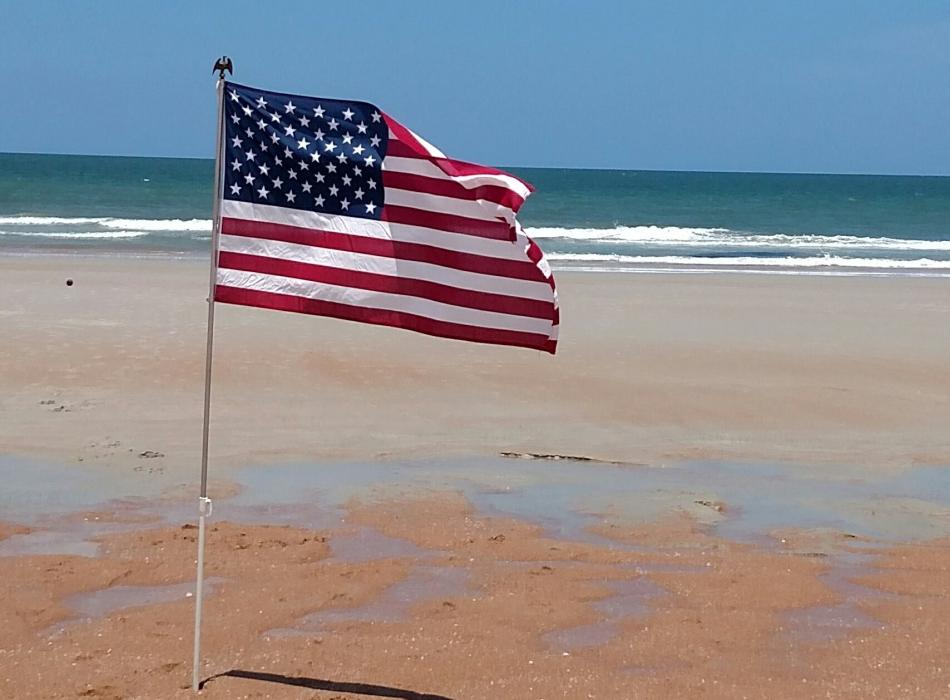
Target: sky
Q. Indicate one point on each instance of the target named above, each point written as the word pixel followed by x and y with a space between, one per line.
pixel 858 86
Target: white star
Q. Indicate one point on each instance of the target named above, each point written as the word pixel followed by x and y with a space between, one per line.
pixel 261 103
pixel 278 183
pixel 305 120
pixel 306 187
pixel 302 144
pixel 329 147
pixel 235 118
pixel 250 134
pixel 250 155
pixel 333 124
pixel 341 157
pixel 290 131
pixel 315 156
pixel 318 201
pixel 372 184
pixel 376 117
pixel 361 127
pixel 263 192
pixel 357 170
pixel 264 169
pixel 370 208
pixel 369 161
pixel 320 177
pixel 347 180
pixel 261 124
pixel 304 165
pixel 291 196
pixel 236 142
pixel 331 168
pixel 293 174
pixel 345 204
pixel 288 153
pixel 348 114
pixel 347 138
pixel 374 142
pixel 359 193
pixel 246 110
pixel 279 161
pixel 249 179
pixel 333 190
pixel 318 111
pixel 235 189
pixel 234 96
pixel 274 138
pixel 318 133
pixel 235 164
pixel 274 117
pixel 289 107
pixel 358 150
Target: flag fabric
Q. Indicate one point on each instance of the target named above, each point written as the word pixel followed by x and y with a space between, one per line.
pixel 333 208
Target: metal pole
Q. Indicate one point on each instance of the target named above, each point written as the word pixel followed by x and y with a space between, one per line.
pixel 204 503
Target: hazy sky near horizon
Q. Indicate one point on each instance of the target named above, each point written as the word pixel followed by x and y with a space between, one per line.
pixel 758 85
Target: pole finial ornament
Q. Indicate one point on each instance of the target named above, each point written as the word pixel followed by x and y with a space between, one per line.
pixel 223 64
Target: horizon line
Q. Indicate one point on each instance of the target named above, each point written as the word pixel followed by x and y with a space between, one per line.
pixel 537 167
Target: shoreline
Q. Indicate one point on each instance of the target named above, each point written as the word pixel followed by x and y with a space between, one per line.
pixel 560 267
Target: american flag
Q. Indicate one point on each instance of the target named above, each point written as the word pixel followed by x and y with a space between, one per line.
pixel 333 208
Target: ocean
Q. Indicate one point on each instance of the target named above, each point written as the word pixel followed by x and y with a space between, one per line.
pixel 594 220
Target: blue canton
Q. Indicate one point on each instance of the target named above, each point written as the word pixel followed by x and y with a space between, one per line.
pixel 304 152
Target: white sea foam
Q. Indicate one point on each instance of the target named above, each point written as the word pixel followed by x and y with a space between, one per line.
pixel 725 238
pixel 197 225
pixel 76 235
pixel 748 260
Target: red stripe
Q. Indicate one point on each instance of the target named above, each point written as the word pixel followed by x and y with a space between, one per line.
pixel 406 145
pixel 497 230
pixel 435 291
pixel 400 250
pixel 459 168
pixel 451 167
pixel 405 139
pixel 382 317
pixel 451 188
pixel 399 149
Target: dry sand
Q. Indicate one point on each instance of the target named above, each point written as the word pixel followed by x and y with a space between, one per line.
pixel 651 368
pixel 106 376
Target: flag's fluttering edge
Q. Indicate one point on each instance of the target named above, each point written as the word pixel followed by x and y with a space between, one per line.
pixel 336 209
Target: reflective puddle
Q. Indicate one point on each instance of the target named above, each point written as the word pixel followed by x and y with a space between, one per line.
pixel 93 605
pixel 630 598
pixel 423 584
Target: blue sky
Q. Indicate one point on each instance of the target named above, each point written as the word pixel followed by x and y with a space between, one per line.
pixel 759 85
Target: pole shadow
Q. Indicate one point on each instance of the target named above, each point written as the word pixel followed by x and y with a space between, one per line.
pixel 368 689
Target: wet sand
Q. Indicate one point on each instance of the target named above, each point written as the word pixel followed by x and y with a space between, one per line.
pixel 664 610
pixel 769 517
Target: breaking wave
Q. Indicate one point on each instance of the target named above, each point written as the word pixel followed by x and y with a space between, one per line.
pixel 725 238
pixel 196 225
pixel 610 260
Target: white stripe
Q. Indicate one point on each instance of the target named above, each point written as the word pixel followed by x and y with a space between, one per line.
pixel 351 296
pixel 473 209
pixel 433 151
pixel 420 166
pixel 370 228
pixel 378 265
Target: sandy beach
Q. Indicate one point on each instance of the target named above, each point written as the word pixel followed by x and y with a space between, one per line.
pixel 763 515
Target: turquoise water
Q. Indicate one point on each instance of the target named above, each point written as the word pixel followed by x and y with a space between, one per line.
pixel 591 219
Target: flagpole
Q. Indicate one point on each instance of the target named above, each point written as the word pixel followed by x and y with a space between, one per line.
pixel 204 503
